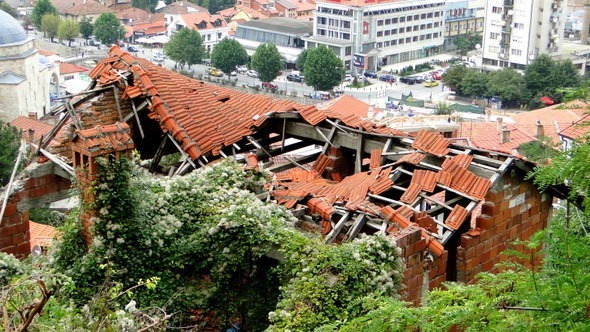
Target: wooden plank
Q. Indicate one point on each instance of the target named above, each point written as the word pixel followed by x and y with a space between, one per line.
pixel 158 156
pixel 386 148
pixel 353 231
pixel 137 119
pixel 337 229
pixel 116 93
pixel 359 154
pixel 72 113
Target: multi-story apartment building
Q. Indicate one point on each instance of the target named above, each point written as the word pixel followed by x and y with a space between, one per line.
pixel 462 17
pixel 517 31
pixel 371 33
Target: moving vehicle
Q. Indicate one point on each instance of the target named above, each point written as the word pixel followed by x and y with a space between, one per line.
pixel 387 78
pixel 436 75
pixel 430 83
pixel 295 78
pixel 269 85
pixel 215 72
pixel 370 74
pixel 407 80
pixel 252 73
pixel 132 48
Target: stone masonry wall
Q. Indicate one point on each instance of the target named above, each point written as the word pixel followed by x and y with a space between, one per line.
pixel 514 209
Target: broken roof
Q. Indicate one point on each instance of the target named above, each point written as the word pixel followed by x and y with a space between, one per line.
pixel 367 177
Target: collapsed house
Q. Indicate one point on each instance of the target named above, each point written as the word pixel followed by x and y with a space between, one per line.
pixel 453 209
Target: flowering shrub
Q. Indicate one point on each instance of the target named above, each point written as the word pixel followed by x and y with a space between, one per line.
pixel 10 266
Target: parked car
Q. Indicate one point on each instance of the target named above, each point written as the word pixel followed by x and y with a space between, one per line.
pixel 233 73
pixel 295 78
pixel 242 69
pixel 93 42
pixel 436 75
pixel 387 78
pixel 158 58
pixel 430 83
pixel 407 80
pixel 215 72
pixel 132 48
pixel 418 79
pixel 347 78
pixel 252 73
pixel 370 74
pixel 269 85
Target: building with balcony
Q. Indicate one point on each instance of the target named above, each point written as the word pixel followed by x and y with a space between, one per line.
pixel 211 27
pixel 285 33
pixel 462 18
pixel 517 31
pixel 371 33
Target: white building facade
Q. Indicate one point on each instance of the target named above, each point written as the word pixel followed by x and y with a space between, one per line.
pixel 517 31
pixel 367 34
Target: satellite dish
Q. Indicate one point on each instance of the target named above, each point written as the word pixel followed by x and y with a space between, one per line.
pixel 37 250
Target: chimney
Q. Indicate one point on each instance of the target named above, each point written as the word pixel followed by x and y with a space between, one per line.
pixel 33 115
pixel 31 133
pixel 488 115
pixel 540 130
pixel 499 123
pixel 505 135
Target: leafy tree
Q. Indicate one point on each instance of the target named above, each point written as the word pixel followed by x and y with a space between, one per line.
pixel 463 44
pixel 86 27
pixel 453 77
pixel 9 144
pixel 564 75
pixel 148 5
pixel 300 62
pixel 42 7
pixel 217 5
pixel 108 29
pixel 185 47
pixel 545 77
pixel 8 9
pixel 267 61
pixel 49 24
pixel 508 85
pixel 474 83
pixel 68 30
pixel 323 69
pixel 228 54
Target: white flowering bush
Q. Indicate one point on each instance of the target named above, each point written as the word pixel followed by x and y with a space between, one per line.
pixel 328 281
pixel 10 267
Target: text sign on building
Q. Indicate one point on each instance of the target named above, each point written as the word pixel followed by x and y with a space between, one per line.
pixel 360 61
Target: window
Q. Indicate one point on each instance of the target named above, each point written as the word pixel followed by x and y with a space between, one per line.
pixel 219 35
pixel 436 24
pixel 386 44
pixel 387 21
pixel 68 77
pixel 518 26
pixel 422 37
pixel 393 31
pixel 379 33
pixel 394 42
pixel 408 40
pixel 422 26
pixel 380 23
pixel 400 41
pixel 394 20
pixel 429 26
pixel 517 39
pixel 423 16
pixel 436 14
pixel 415 38
pixel 321 32
pixel 379 45
pixel 345 24
pixel 416 27
pixel 387 32
pixel 416 17
pixel 401 30
pixel 429 15
pixel 429 36
pixel 409 18
pixel 497 10
pixel 516 52
pixel 494 49
pixel 321 20
pixel 346 36
pixel 494 35
pixel 435 35
pixel 402 19
pixel 208 37
pixel 348 50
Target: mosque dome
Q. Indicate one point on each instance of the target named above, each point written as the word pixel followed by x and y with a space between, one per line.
pixel 10 30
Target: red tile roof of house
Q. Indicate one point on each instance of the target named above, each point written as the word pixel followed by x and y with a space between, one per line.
pixel 25 124
pixel 578 129
pixel 40 234
pixel 88 7
pixel 103 139
pixel 182 7
pixel 232 11
pixel 346 105
pixel 193 20
pixel 554 118
pixel 70 68
pixel 133 15
pixel 488 136
pixel 304 6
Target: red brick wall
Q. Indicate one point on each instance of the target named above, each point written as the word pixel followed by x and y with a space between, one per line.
pixel 421 266
pixel 14 230
pixel 513 210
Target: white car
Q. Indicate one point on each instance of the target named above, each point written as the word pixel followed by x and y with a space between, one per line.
pixel 347 78
pixel 241 69
pixel 252 73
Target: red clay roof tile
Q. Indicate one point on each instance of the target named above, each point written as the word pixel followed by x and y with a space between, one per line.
pixel 411 193
pixel 456 217
pixel 431 142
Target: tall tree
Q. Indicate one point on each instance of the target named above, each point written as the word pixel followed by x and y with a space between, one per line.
pixel 462 44
pixel 148 5
pixel 323 69
pixel 300 62
pixel 49 25
pixel 474 83
pixel 86 28
pixel 267 61
pixel 228 54
pixel 185 47
pixel 68 30
pixel 41 8
pixel 108 29
pixel 564 75
pixel 453 77
pixel 9 143
pixel 508 85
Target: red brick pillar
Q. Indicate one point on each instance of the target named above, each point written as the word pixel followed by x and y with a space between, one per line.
pixel 88 145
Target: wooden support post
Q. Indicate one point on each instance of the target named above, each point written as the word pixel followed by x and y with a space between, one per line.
pixel 158 155
pixel 72 113
pixel 386 148
pixel 137 119
pixel 53 132
pixel 283 134
pixel 337 229
pixel 116 93
pixel 359 222
pixel 359 154
pixel 329 138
